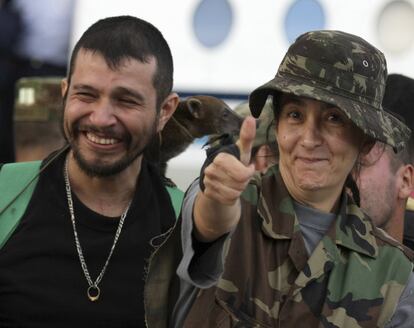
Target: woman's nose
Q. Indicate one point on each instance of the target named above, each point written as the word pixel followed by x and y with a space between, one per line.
pixel 311 135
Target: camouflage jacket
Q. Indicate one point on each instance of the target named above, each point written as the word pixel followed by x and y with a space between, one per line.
pixel 353 278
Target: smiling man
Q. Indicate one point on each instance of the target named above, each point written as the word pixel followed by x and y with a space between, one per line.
pixel 77 255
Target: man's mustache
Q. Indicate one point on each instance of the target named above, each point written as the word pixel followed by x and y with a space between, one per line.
pixel 108 132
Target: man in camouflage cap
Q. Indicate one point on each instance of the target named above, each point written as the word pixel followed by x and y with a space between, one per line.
pixel 264 149
pixel 290 248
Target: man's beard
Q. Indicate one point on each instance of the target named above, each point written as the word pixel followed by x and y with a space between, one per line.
pixel 379 204
pixel 96 169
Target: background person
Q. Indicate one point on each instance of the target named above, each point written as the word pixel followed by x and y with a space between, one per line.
pixel 301 252
pixel 10 26
pixel 385 182
pixel 399 97
pixel 79 254
pixel 386 178
pixel 264 149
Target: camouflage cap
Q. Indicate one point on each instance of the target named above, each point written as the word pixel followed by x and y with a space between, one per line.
pixel 38 99
pixel 265 132
pixel 340 69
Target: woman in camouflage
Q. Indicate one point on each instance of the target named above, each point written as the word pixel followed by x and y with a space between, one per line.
pixel 291 248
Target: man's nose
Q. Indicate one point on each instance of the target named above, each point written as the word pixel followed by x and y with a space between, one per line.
pixel 103 114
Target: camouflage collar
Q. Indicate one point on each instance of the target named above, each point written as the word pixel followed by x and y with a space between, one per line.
pixel 352 229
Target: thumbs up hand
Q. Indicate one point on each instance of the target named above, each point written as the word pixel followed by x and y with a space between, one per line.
pixel 227 176
pixel 246 139
pixel 217 209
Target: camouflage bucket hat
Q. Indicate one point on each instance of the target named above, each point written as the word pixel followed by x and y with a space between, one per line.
pixel 340 69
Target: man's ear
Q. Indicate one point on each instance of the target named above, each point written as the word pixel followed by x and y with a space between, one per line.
pixel 64 86
pixel 406 174
pixel 168 107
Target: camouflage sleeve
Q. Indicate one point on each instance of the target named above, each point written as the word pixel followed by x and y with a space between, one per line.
pixel 203 270
pixel 404 313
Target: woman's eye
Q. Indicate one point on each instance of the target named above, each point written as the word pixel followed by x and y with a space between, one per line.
pixel 294 115
pixel 336 118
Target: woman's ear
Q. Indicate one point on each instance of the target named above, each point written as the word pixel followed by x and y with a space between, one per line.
pixel 274 128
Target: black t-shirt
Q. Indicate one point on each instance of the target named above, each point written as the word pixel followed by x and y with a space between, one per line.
pixel 41 280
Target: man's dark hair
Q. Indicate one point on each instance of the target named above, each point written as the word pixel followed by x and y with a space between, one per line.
pixel 399 98
pixel 403 157
pixel 121 37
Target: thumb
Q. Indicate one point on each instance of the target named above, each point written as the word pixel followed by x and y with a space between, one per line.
pixel 246 139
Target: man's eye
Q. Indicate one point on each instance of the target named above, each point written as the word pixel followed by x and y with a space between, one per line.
pixel 85 94
pixel 127 101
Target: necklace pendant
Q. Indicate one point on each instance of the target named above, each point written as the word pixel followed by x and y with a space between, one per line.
pixel 93 293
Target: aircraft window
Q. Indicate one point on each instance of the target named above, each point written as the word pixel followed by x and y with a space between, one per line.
pixel 396 26
pixel 212 22
pixel 303 16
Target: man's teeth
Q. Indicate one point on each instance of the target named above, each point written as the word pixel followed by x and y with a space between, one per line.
pixel 101 141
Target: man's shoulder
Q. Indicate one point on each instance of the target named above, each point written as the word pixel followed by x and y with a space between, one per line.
pixel 384 240
pixel 380 243
pixel 20 169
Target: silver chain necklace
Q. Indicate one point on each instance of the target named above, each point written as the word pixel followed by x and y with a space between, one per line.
pixel 93 291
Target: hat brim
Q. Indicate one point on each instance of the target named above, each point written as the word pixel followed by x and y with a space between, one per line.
pixel 374 122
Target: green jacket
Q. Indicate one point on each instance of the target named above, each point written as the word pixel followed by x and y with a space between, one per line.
pixel 17 183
